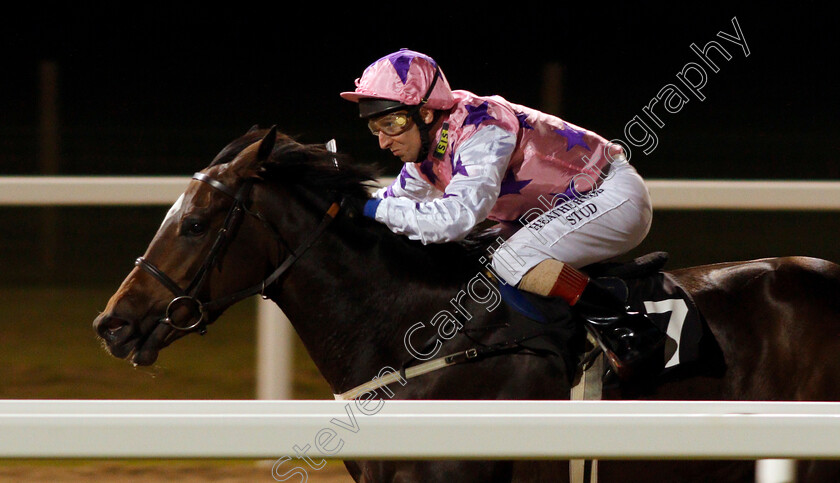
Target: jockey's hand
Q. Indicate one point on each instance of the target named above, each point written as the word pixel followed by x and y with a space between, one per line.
pixel 357 206
pixel 370 206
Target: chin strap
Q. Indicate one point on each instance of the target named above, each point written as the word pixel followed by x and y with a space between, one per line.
pixel 425 131
pixel 425 143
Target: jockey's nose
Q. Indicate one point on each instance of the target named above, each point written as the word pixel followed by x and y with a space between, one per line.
pixel 384 140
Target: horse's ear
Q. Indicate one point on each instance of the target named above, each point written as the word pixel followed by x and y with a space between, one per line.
pixel 267 145
pixel 248 162
pixel 255 127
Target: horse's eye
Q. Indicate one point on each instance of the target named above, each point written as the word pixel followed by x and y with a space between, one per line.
pixel 194 228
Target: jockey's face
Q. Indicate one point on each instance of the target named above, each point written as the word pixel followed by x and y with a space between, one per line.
pixel 407 144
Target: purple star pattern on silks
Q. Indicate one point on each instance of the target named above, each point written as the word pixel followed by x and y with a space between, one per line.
pixel 477 114
pixel 401 62
pixel 568 195
pixel 510 186
pixel 403 176
pixel 427 168
pixel 450 195
pixel 523 120
pixel 573 137
pixel 459 168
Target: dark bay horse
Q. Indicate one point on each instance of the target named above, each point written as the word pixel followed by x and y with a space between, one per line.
pixel 355 292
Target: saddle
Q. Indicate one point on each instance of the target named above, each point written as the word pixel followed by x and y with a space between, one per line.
pixel 644 288
pixel 547 327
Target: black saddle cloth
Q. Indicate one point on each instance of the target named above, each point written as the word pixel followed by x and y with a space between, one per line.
pixel 643 286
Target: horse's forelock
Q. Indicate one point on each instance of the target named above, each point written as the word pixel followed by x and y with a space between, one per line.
pixel 314 167
pixel 308 165
pixel 235 147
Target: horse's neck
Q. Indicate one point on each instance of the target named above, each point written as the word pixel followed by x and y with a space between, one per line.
pixel 349 308
pixel 349 314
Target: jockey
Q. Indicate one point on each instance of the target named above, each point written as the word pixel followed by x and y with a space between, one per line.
pixel 469 158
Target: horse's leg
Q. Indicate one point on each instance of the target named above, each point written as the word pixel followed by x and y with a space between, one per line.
pixel 818 471
pixel 485 472
pixel 475 471
pixel 433 471
pixel 676 471
pixel 508 377
pixel 354 469
pixel 540 471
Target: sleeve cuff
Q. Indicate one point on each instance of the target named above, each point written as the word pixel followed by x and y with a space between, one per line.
pixel 370 207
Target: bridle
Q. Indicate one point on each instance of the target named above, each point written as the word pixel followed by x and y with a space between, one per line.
pixel 188 297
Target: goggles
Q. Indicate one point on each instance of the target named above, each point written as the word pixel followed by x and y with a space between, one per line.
pixel 392 124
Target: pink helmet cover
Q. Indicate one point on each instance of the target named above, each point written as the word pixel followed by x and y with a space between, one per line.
pixel 403 76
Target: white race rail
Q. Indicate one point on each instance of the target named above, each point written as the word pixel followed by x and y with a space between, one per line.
pixel 419 430
pixel 666 194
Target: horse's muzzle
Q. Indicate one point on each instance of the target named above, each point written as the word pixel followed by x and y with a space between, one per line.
pixel 117 334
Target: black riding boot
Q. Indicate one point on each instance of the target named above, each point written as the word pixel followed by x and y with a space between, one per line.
pixel 634 345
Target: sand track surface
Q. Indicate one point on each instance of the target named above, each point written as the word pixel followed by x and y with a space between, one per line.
pixel 137 472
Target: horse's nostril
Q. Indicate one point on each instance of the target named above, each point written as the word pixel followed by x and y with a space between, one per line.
pixel 109 327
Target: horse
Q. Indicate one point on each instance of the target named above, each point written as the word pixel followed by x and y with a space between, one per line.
pixel 282 219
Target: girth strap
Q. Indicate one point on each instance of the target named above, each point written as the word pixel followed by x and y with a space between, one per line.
pixel 472 354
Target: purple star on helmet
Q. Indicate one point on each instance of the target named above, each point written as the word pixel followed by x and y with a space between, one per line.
pixel 523 120
pixel 574 137
pixel 403 176
pixel 510 186
pixel 427 168
pixel 459 168
pixel 477 114
pixel 401 61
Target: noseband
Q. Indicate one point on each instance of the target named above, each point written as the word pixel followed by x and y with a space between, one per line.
pixel 188 297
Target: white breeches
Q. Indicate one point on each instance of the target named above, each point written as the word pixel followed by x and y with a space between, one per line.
pixel 604 223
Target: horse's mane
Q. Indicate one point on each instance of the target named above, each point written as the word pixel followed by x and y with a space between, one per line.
pixel 310 166
pixel 316 170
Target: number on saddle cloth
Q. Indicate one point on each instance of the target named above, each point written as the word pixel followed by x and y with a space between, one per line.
pixel 645 289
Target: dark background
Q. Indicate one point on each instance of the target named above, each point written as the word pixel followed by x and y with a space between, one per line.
pixel 160 89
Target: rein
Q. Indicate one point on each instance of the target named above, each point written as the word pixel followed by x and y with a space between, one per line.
pixel 189 297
